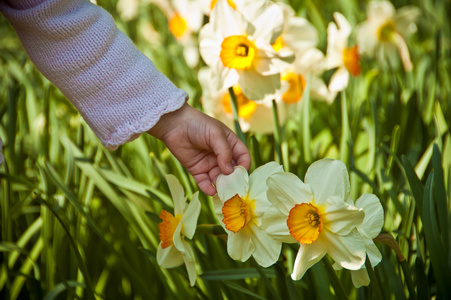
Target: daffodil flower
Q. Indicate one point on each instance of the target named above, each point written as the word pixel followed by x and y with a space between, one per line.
pixel 253 116
pixel 384 31
pixel 236 45
pixel 300 37
pixel 369 229
pixel 173 250
pixel 239 206
pixel 316 215
pixel 339 55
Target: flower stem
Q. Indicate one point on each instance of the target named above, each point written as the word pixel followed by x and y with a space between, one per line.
pixel 277 140
pixel 340 293
pixel 306 135
pixel 373 279
pixel 236 121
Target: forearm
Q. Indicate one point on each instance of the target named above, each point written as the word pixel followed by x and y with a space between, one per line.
pixel 78 47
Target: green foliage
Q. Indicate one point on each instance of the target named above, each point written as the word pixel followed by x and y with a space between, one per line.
pixel 80 222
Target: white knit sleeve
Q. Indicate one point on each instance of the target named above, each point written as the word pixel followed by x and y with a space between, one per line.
pixel 78 47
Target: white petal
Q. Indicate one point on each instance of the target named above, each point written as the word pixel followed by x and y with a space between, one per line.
pixel 275 223
pixel 190 216
pixel 309 61
pixel 339 80
pixel 343 25
pixel 177 193
pixel 239 245
pixel 340 217
pixel 374 215
pixel 257 180
pixel 328 177
pixel 270 62
pixel 169 257
pixel 191 267
pixel 257 87
pixel 209 45
pixel 267 19
pixel 218 204
pixel 223 77
pixel 360 278
pixel 285 190
pixel 299 34
pixel 228 21
pixel 348 251
pixel 405 19
pixel 372 251
pixel 307 256
pixel 267 250
pixel 380 10
pixel 178 240
pixel 232 184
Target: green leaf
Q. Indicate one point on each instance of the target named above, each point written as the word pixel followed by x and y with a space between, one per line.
pixel 235 274
pixel 242 289
pixel 61 287
pixel 415 184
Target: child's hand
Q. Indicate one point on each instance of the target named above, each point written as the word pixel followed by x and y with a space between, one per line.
pixel 203 145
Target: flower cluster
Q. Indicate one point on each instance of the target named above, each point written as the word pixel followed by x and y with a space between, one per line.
pixel 269 207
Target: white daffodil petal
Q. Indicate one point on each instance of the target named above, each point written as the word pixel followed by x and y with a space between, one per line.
pixel 257 180
pixel 372 251
pixel 339 80
pixel 360 278
pixel 218 204
pixel 178 239
pixel 227 21
pixel 343 25
pixel 190 216
pixel 267 19
pixel 169 257
pixel 190 265
pixel 267 250
pixel 310 61
pixel 232 184
pixel 348 251
pixel 223 77
pixel 209 44
pixel 307 256
pixel 240 246
pixel 270 62
pixel 177 193
pixel 340 217
pixel 285 190
pixel 274 222
pixel 257 87
pixel 405 20
pixel 380 9
pixel 188 255
pixel 327 178
pixel 374 215
pixel 299 35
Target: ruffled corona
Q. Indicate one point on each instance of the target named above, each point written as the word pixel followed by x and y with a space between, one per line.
pixel 296 86
pixel 237 213
pixel 237 52
pixel 246 107
pixel 177 25
pixel 304 223
pixel 167 228
pixel 351 60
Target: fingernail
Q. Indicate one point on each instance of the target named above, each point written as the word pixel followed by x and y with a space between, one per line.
pixel 229 168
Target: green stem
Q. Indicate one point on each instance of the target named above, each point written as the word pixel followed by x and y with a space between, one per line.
pixel 236 121
pixel 277 140
pixel 339 291
pixel 410 285
pixel 344 146
pixel 373 279
pixel 306 134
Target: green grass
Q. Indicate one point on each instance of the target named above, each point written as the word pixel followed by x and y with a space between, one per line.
pixel 80 222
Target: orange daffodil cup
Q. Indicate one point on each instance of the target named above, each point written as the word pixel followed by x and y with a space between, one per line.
pixel 315 214
pixel 239 205
pixel 173 249
pixel 237 46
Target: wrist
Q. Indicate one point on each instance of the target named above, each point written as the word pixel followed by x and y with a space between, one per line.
pixel 169 121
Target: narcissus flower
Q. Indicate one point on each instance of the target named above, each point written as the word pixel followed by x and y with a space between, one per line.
pixel 173 249
pixel 339 55
pixel 236 45
pixel 316 215
pixel 239 206
pixel 384 31
pixel 253 116
pixel 369 229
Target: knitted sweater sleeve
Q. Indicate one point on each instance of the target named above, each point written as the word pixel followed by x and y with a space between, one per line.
pixel 78 47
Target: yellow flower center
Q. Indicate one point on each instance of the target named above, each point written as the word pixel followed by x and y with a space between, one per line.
pixel 167 228
pixel 229 2
pixel 304 223
pixel 385 32
pixel 351 60
pixel 237 52
pixel 296 87
pixel 177 25
pixel 278 44
pixel 246 107
pixel 237 213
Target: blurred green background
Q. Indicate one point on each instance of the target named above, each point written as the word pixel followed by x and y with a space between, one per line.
pixel 80 222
